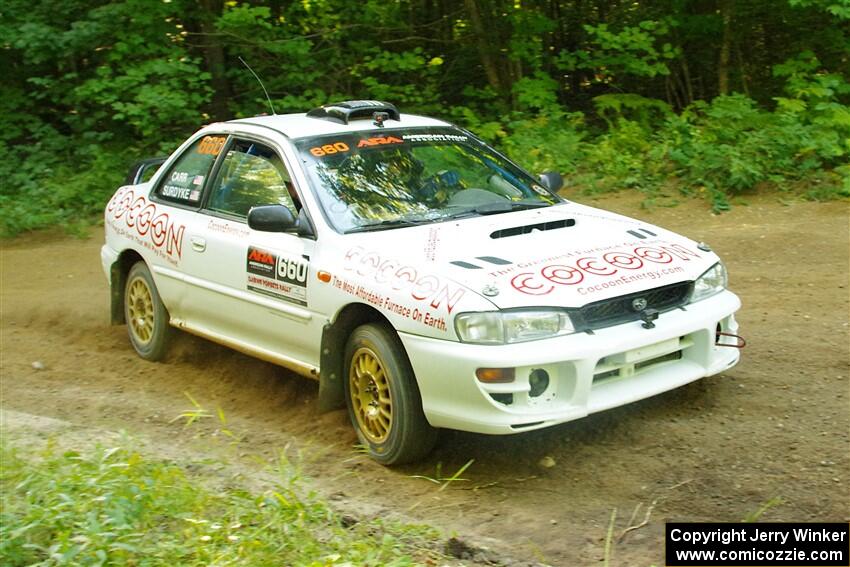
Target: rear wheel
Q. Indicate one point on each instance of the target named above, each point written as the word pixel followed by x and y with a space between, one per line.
pixel 383 399
pixel 146 316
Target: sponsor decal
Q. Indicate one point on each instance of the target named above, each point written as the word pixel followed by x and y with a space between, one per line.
pixel 137 218
pixel 231 229
pixel 329 149
pixel 211 145
pixel 391 306
pixel 261 262
pixel 424 288
pixel 176 192
pixel 434 138
pixel 622 265
pixel 378 141
pixel 432 243
pixel 180 186
pixel 276 275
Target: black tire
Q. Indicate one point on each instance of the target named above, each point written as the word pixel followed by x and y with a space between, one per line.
pixel 146 316
pixel 392 427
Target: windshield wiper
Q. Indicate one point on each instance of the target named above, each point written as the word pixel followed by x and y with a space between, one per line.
pixel 484 209
pixel 495 209
pixel 387 224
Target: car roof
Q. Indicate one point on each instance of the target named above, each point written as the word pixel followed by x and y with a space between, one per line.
pixel 301 125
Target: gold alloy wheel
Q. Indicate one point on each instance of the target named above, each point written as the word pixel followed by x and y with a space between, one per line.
pixel 370 395
pixel 140 310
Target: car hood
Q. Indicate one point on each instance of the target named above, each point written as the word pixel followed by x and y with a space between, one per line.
pixel 567 255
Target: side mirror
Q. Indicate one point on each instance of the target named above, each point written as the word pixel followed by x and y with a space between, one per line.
pixel 271 218
pixel 552 181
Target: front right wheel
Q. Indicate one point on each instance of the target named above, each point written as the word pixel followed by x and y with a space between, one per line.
pixel 383 399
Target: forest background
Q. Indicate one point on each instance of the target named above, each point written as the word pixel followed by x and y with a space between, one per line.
pixel 673 98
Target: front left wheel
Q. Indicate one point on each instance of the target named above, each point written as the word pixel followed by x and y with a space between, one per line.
pixel 146 316
pixel 383 398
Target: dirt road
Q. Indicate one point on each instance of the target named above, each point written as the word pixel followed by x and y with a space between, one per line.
pixel 773 431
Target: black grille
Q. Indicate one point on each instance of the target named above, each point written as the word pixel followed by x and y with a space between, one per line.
pixel 618 310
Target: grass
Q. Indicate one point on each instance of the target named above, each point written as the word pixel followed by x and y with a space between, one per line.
pixel 764 507
pixel 444 482
pixel 114 505
pixel 609 538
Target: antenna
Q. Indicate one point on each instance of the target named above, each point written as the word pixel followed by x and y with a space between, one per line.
pixel 268 98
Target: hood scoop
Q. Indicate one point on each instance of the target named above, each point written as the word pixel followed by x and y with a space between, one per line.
pixel 525 229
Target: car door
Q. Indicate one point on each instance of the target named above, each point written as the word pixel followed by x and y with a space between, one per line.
pixel 160 224
pixel 247 288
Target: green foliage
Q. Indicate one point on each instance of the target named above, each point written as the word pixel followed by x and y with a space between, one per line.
pixel 547 142
pixel 149 97
pixel 537 92
pixel 46 184
pixel 617 94
pixel 839 8
pixel 719 149
pixel 730 145
pixel 633 50
pixel 273 48
pixel 612 107
pixel 407 78
pixel 118 507
pixel 624 157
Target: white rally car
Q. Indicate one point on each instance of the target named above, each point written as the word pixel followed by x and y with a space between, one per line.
pixel 423 278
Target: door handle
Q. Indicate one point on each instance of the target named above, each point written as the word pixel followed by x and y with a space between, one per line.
pixel 198 244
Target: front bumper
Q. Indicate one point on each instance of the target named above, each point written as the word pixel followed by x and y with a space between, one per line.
pixel 587 372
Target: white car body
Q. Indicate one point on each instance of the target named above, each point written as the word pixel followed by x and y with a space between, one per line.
pixel 278 295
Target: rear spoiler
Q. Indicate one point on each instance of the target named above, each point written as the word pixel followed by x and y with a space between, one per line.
pixel 143 169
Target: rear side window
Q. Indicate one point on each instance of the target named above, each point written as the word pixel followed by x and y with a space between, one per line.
pixel 184 181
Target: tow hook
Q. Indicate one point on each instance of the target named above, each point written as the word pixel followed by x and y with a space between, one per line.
pixel 740 342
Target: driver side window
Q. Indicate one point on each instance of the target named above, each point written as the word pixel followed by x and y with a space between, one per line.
pixel 251 174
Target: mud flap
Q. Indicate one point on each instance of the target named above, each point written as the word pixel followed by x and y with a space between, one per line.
pixel 116 294
pixel 331 388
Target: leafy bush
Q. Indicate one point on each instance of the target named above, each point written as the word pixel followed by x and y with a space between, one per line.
pixel 730 145
pixel 47 187
pixel 721 148
pixel 548 142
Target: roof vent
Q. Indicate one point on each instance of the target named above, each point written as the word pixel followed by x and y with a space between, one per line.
pixel 344 112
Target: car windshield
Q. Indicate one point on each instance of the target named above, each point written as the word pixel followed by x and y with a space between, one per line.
pixel 384 179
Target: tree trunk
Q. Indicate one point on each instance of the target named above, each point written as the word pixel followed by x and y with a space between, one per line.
pixel 686 79
pixel 742 71
pixel 214 57
pixel 485 52
pixel 726 8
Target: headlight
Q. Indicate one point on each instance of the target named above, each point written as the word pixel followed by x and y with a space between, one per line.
pixel 714 280
pixel 503 327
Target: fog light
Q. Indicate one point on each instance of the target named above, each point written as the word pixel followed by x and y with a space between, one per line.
pixel 539 381
pixel 496 375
